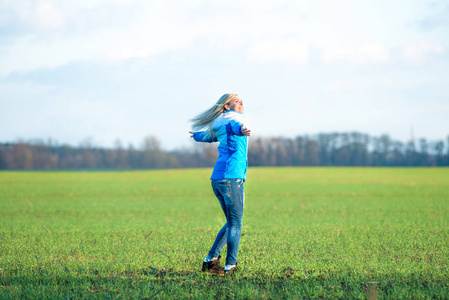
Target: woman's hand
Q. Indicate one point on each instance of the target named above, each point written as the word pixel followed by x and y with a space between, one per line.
pixel 191 134
pixel 245 131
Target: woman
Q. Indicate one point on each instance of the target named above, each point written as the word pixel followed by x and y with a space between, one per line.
pixel 224 124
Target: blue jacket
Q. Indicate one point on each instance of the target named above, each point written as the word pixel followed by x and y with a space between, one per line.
pixel 232 161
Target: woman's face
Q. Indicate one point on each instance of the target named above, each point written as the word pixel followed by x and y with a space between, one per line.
pixel 235 104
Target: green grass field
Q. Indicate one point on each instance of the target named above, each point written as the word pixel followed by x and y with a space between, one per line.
pixel 307 233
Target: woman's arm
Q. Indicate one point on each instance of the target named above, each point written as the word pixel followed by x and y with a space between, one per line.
pixel 239 129
pixel 245 131
pixel 203 136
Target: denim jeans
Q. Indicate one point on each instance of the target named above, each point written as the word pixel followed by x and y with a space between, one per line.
pixel 231 196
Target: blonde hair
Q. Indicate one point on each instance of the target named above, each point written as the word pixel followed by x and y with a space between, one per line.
pixel 205 119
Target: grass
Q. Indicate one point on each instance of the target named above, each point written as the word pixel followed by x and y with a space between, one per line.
pixel 307 233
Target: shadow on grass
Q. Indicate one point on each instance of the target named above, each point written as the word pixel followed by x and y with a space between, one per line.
pixel 152 282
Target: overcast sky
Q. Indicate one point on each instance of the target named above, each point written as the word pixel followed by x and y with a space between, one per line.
pixel 127 69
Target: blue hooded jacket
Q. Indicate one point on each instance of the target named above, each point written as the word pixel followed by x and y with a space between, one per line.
pixel 232 162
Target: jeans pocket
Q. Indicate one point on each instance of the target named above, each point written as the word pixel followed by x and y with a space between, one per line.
pixel 222 186
pixel 225 184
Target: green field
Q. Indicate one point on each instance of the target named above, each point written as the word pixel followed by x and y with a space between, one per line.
pixel 307 233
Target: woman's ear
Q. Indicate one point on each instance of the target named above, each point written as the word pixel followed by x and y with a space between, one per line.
pixel 226 107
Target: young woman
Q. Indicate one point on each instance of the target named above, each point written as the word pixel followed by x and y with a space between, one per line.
pixel 224 124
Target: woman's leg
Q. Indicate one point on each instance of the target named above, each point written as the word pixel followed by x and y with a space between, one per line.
pixel 230 194
pixel 234 202
pixel 219 187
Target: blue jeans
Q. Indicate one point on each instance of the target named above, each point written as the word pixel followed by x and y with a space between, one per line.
pixel 231 196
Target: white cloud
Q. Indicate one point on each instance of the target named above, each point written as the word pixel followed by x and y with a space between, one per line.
pixel 54 33
pixel 59 32
pixel 421 52
pixel 279 51
pixel 342 85
pixel 156 29
pixel 39 15
pixel 362 54
pixel 388 81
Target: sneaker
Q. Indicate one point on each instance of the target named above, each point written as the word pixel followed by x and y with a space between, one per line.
pixel 229 271
pixel 213 266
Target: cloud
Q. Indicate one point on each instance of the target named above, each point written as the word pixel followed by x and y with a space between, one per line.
pixel 365 53
pixel 342 85
pixel 279 51
pixel 52 33
pixel 155 29
pixel 439 18
pixel 421 52
pixel 39 15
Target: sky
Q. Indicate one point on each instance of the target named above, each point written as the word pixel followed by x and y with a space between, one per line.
pixel 102 71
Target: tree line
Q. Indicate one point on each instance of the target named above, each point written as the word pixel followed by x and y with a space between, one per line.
pixel 325 149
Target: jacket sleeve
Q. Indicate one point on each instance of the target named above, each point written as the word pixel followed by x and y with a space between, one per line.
pixel 236 128
pixel 204 136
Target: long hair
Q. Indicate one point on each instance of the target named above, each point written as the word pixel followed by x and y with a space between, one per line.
pixel 205 119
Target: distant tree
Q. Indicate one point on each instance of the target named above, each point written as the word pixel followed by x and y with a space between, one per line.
pixel 153 157
pixel 341 149
pixel 447 151
pixel 325 149
pixel 397 154
pixel 343 152
pixel 300 157
pixel 23 156
pixel 359 149
pixel 424 155
pixel 134 157
pixel 411 155
pixel 256 151
pixel 438 149
pixel 312 156
pixel 121 155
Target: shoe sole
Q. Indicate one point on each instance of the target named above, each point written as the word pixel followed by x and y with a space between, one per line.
pixel 217 272
pixel 230 272
pixel 213 268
